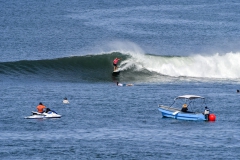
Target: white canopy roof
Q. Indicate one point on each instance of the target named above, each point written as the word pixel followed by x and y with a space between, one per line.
pixel 189 97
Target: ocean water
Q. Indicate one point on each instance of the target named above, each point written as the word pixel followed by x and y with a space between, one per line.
pixel 52 49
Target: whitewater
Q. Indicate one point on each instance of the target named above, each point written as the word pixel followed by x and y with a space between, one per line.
pixel 224 66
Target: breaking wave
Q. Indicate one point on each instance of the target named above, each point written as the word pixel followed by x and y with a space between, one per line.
pixel 134 67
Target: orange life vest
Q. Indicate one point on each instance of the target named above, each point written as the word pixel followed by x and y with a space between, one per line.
pixel 40 108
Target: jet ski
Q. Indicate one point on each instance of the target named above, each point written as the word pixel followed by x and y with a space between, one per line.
pixel 47 114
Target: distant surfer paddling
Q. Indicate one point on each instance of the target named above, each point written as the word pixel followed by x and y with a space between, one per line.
pixel 120 84
pixel 115 62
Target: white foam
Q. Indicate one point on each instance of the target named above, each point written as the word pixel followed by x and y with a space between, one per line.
pixel 213 66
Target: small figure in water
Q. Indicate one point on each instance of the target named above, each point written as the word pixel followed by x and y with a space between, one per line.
pixel 65 100
pixel 115 62
pixel 237 91
pixel 120 84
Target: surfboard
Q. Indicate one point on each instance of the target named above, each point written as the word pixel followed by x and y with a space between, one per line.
pixel 116 72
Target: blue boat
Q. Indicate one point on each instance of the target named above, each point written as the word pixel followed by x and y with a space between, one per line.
pixel 193 108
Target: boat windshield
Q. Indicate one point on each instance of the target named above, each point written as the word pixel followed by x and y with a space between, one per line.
pixel 193 102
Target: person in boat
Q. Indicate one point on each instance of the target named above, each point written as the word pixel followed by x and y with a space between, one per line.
pixel 120 84
pixel 115 62
pixel 206 112
pixel 184 108
pixel 40 108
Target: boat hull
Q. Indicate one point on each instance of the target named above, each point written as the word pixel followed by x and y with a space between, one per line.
pixel 178 114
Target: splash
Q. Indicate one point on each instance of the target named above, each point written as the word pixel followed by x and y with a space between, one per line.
pixel 214 66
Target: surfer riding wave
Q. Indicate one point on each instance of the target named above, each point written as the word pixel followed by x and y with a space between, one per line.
pixel 115 62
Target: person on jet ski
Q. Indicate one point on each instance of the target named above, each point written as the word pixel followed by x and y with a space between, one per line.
pixel 47 110
pixel 40 108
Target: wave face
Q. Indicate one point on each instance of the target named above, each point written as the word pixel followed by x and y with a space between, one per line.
pixel 135 67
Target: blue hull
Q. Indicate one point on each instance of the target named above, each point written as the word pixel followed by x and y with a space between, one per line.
pixel 177 114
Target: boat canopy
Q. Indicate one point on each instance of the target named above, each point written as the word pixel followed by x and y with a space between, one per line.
pixel 189 97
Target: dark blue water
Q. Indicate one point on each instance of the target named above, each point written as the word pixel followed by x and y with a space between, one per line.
pixel 52 50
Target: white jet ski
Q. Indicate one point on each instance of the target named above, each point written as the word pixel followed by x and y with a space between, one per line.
pixel 48 114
